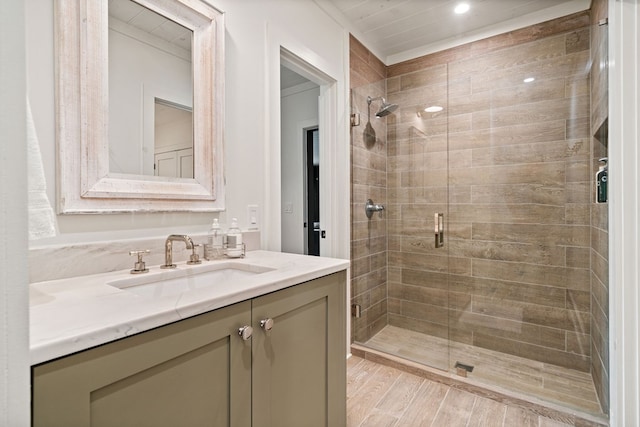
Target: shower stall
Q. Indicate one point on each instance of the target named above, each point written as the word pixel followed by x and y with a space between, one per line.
pixel 491 153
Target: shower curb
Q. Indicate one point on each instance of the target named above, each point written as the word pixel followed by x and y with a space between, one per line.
pixel 531 404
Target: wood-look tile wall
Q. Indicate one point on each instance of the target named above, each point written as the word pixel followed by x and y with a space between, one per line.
pixel 509 164
pixel 368 180
pixel 599 213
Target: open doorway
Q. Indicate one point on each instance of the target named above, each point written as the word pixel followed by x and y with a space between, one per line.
pixel 300 164
pixel 334 156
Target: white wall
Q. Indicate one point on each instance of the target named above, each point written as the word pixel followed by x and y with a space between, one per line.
pixel 299 110
pixel 254 31
pixel 14 323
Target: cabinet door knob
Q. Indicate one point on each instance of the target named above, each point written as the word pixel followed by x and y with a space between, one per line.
pixel 266 324
pixel 245 332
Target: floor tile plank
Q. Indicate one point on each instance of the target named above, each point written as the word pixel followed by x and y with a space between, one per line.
pixel 379 419
pixel 455 409
pixel 546 422
pixel 362 401
pixel 399 397
pixel 519 417
pixel 359 375
pixel 425 405
pixel 487 413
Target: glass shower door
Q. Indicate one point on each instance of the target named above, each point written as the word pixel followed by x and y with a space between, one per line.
pixel 400 259
pixel 418 287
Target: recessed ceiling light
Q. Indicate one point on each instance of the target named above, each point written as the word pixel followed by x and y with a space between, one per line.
pixel 461 8
pixel 433 109
pixel 529 79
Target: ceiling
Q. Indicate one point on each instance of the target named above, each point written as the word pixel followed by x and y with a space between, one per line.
pixel 398 30
pixel 289 78
pixel 149 24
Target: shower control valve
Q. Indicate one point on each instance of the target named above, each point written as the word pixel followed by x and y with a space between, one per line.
pixel 371 207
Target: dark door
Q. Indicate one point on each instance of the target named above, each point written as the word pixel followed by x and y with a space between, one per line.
pixel 313 192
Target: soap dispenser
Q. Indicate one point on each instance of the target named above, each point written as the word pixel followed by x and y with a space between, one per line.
pixel 235 248
pixel 601 182
pixel 214 249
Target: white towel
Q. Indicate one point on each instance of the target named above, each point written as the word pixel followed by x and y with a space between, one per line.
pixel 42 219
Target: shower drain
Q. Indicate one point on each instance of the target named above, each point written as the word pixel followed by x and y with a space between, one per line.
pixel 462 369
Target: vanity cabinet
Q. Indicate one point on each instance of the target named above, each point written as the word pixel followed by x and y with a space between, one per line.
pixel 196 372
pixel 201 372
pixel 299 366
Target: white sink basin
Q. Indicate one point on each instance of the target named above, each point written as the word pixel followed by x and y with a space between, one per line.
pixel 187 278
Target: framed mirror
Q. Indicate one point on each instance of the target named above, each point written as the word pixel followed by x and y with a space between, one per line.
pixel 91 176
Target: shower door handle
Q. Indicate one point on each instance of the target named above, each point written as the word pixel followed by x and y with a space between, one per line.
pixel 439 229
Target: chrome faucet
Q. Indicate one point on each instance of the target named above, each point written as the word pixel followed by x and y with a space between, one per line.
pixel 168 244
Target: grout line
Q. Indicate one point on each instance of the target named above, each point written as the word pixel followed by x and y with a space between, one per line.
pixel 440 406
pixel 387 391
pixel 504 416
pixel 475 402
pixel 423 384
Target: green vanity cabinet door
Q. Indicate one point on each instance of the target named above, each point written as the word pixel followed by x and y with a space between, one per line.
pixel 196 372
pixel 299 366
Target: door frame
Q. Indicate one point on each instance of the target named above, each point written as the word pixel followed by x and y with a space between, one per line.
pixel 332 78
pixel 624 208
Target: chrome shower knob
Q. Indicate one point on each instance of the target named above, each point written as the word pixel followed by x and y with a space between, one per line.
pixel 370 208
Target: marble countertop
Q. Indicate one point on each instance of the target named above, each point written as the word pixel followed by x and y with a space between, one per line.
pixel 74 314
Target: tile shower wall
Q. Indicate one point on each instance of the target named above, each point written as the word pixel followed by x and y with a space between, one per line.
pixel 599 213
pixel 519 196
pixel 368 180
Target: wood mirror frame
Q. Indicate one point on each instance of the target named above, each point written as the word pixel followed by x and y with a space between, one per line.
pixel 84 182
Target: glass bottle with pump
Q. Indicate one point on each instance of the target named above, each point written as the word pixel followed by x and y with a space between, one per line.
pixel 235 248
pixel 214 248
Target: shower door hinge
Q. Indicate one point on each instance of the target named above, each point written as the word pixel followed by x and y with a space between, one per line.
pixel 355 119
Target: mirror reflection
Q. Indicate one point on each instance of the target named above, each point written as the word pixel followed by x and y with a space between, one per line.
pixel 173 155
pixel 150 93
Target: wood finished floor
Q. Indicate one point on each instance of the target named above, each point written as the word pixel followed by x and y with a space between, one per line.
pixel 566 387
pixel 382 396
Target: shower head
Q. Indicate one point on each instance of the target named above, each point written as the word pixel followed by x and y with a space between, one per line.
pixel 385 108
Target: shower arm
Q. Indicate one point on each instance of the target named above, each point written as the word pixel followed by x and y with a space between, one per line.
pixel 369 101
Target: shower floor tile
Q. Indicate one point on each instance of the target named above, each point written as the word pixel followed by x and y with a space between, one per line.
pixel 566 387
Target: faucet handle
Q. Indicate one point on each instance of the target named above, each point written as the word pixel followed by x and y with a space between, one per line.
pixel 139 266
pixel 195 258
